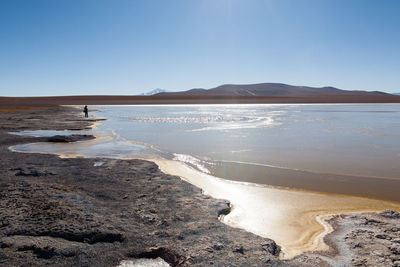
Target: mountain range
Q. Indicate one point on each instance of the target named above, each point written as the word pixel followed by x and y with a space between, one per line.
pixel 262 93
pixel 270 89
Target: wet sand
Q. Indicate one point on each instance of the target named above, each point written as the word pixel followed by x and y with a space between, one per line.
pixel 384 188
pixel 292 218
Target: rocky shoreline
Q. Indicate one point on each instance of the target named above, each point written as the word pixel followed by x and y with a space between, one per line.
pixel 69 212
pixel 368 239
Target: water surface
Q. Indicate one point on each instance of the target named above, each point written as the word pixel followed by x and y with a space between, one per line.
pixel 350 149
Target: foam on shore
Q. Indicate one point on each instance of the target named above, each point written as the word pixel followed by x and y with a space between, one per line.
pixel 144 262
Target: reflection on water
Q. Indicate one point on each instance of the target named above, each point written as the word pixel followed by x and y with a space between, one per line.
pixel 101 147
pixel 345 139
pixel 348 149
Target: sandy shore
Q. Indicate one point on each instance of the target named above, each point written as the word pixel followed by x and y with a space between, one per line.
pixel 67 211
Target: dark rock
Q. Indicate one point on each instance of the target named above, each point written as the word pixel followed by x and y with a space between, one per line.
pixel 239 250
pixel 210 250
pixel 45 253
pixel 104 237
pixel 168 255
pixel 60 139
pixel 383 236
pixel 390 214
pixel 69 138
pixel 180 237
pixel 218 246
pixel 28 173
pixel 225 211
pixel 31 172
pixel 359 262
pixel 395 249
pixel 4 223
pixel 272 248
pixel 43 247
pixel 371 221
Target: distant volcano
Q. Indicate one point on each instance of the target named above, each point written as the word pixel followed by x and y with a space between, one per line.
pixel 155 91
pixel 271 89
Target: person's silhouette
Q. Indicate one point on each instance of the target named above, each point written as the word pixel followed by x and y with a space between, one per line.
pixel 86 111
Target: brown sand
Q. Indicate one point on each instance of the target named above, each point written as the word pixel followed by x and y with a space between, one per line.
pixel 190 99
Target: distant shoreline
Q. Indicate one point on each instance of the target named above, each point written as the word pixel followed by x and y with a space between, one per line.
pixel 193 99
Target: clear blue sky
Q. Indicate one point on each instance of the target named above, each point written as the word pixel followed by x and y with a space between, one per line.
pixel 71 47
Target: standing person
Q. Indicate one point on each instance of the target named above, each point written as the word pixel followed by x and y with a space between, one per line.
pixel 86 111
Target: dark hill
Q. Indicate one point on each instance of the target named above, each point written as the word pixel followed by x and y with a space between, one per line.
pixel 272 89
